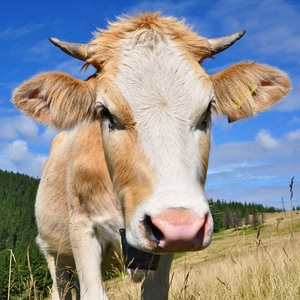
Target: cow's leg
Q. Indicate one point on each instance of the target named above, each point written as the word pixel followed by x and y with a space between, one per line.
pixel 60 274
pixel 156 284
pixel 87 253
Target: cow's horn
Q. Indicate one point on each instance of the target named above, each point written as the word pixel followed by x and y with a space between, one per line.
pixel 220 44
pixel 79 51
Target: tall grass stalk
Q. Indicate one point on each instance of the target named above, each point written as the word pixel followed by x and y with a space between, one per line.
pixel 11 257
pixel 291 202
pixel 31 285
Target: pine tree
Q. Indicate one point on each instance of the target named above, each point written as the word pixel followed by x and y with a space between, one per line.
pixel 216 215
pixel 237 219
pixel 246 217
pixel 226 218
pixel 255 217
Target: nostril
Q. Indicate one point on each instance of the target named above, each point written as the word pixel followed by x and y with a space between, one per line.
pixel 152 232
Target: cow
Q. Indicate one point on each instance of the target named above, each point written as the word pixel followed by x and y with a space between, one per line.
pixel 137 154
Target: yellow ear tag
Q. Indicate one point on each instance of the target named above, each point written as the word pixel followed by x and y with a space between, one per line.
pixel 252 90
pixel 237 106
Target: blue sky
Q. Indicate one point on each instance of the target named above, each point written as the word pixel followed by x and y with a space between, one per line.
pixel 251 160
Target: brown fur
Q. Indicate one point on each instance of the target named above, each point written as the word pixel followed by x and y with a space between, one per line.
pixel 106 43
pixel 76 164
pixel 107 47
pixel 56 99
pixel 129 168
pixel 205 149
pixel 56 141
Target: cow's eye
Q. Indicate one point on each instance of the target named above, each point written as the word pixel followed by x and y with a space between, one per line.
pixel 207 115
pixel 204 121
pixel 106 115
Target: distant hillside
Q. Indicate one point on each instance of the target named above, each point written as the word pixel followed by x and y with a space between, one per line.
pixel 18 232
pixel 17 220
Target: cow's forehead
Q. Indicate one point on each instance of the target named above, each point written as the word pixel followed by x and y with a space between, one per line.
pixel 156 78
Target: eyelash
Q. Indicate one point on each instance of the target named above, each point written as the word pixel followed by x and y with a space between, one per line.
pixel 208 112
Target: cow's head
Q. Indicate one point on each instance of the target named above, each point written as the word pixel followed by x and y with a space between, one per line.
pixel 154 102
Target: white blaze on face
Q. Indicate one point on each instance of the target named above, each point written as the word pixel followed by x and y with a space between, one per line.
pixel 169 102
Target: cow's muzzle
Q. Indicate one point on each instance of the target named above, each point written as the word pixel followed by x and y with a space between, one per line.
pixel 177 230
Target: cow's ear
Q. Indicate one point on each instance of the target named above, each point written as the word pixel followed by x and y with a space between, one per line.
pixel 245 89
pixel 56 99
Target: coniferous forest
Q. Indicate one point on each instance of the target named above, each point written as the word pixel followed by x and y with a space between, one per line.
pixel 20 258
pixel 17 233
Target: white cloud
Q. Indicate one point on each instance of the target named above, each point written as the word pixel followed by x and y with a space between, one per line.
pixel 294 135
pixel 262 150
pixel 265 139
pixel 15 154
pixel 16 151
pixel 258 170
pixel 13 127
pixel 17 157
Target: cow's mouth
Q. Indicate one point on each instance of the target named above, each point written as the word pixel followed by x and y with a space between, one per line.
pixel 137 259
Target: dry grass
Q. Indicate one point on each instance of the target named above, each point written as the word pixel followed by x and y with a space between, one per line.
pixel 29 282
pixel 244 264
pixel 238 265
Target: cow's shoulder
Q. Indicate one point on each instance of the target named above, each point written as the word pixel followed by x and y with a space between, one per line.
pixel 57 140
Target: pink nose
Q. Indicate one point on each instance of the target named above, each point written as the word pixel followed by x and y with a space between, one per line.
pixel 180 230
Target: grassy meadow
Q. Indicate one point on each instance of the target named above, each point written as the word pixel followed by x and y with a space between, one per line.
pixel 248 263
pixel 239 264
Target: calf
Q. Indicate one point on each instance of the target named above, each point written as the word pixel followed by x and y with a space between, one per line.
pixel 138 155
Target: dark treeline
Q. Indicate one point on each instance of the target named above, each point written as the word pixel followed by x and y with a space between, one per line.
pixel 18 232
pixel 235 214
